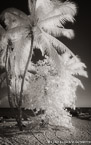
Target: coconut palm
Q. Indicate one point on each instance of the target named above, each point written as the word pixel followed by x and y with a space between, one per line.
pixel 23 33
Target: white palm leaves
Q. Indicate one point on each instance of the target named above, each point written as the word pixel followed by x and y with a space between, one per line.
pixel 3 46
pixel 75 66
pixel 51 15
pixel 13 17
pixel 57 14
pixel 45 17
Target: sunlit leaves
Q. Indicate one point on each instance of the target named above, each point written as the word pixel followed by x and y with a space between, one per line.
pixel 55 91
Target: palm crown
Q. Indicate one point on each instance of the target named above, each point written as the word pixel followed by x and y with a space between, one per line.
pixel 46 20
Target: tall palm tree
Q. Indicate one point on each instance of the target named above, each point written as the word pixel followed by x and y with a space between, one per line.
pixel 23 33
pixel 44 23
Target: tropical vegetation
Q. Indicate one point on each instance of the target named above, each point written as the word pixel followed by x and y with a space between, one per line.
pixel 50 81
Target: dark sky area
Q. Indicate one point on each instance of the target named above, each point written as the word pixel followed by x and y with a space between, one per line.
pixel 80 45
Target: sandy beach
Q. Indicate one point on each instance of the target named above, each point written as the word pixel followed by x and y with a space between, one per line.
pixel 81 134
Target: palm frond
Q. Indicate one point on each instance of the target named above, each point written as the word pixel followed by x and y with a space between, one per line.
pixel 3 46
pixel 57 20
pixel 19 56
pixel 13 18
pixel 52 15
pixel 58 45
pixel 13 11
pixel 49 8
pixel 77 82
pixel 74 66
pixel 42 42
pixel 16 33
pixel 51 46
pixel 54 25
pixel 32 10
pixel 43 8
pixel 31 6
pixel 2 31
pixel 64 8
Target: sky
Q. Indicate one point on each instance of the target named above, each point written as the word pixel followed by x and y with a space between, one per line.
pixel 80 45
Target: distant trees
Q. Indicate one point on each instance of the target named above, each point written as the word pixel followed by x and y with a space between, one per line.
pixel 49 84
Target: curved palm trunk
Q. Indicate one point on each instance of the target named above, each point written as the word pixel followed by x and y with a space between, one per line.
pixel 8 75
pixel 8 80
pixel 22 85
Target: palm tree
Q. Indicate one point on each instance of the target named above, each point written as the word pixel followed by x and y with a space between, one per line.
pixel 23 33
pixel 45 21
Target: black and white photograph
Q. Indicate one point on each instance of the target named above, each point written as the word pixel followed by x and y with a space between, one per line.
pixel 45 72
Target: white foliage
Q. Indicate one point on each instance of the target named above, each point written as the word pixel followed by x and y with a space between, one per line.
pixel 50 8
pixel 52 15
pixel 55 92
pixel 74 64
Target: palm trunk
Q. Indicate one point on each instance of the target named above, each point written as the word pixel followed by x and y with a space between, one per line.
pixel 19 119
pixel 8 78
pixel 22 85
pixel 8 73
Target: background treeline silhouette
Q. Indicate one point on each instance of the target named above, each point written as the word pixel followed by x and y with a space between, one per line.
pixel 7 112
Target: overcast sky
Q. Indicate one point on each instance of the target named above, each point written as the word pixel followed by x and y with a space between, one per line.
pixel 80 45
